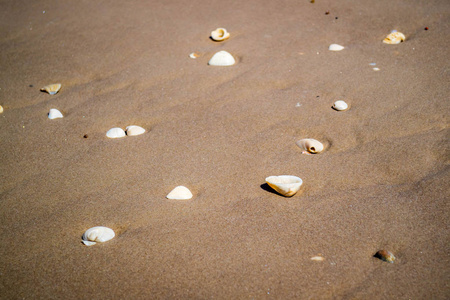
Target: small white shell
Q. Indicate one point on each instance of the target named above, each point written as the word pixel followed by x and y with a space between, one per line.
pixel 317 258
pixel 394 38
pixel 98 234
pixel 115 133
pixel 310 145
pixel 1 109
pixel 335 47
pixel 52 88
pixel 285 185
pixel 222 58
pixel 340 105
pixel 194 55
pixel 54 114
pixel 134 130
pixel 220 34
pixel 180 193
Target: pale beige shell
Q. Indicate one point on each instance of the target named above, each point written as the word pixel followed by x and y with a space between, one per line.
pixel 134 130
pixel 54 114
pixel 222 58
pixel 115 133
pixel 340 105
pixel 52 88
pixel 180 193
pixel 220 34
pixel 310 145
pixel 1 109
pixel 394 38
pixel 98 234
pixel 194 55
pixel 335 47
pixel 317 258
pixel 286 185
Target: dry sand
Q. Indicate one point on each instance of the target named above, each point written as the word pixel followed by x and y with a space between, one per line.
pixel 382 183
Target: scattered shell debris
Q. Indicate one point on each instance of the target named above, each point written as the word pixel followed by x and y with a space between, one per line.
pixel 115 133
pixel 54 114
pixel 310 146
pixel 394 38
pixel 286 185
pixel 222 58
pixel 52 88
pixel 180 193
pixel 385 255
pixel 98 234
pixel 133 130
pixel 317 258
pixel 194 55
pixel 340 105
pixel 335 47
pixel 220 34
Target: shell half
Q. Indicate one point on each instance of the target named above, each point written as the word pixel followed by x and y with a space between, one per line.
pixel 335 47
pixel 285 185
pixel 115 133
pixel 220 34
pixel 394 38
pixel 134 130
pixel 52 88
pixel 310 145
pixel 98 234
pixel 54 114
pixel 222 58
pixel 340 105
pixel 385 255
pixel 180 193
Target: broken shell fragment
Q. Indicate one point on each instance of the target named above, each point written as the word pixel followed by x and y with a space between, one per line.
pixel 1 109
pixel 194 55
pixel 52 88
pixel 134 130
pixel 317 258
pixel 385 255
pixel 340 105
pixel 220 34
pixel 394 38
pixel 335 47
pixel 180 193
pixel 98 234
pixel 310 145
pixel 115 133
pixel 285 185
pixel 222 58
pixel 54 114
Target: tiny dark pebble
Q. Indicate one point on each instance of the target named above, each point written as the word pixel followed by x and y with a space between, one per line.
pixel 85 136
pixel 317 96
pixel 426 28
pixel 31 85
pixel 336 18
pixel 327 12
pixel 385 255
pixel 312 1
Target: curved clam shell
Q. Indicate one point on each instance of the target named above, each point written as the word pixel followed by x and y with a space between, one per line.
pixel 134 130
pixel 115 133
pixel 54 114
pixel 220 34
pixel 385 255
pixel 335 47
pixel 286 185
pixel 180 193
pixel 311 145
pixel 52 88
pixel 340 105
pixel 98 234
pixel 394 38
pixel 222 58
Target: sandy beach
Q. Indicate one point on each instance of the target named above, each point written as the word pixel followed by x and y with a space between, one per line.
pixel 382 181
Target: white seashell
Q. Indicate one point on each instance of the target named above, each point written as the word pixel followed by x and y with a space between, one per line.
pixel 1 109
pixel 115 133
pixel 98 234
pixel 340 105
pixel 220 34
pixel 222 58
pixel 317 258
pixel 394 38
pixel 134 130
pixel 55 114
pixel 52 88
pixel 180 193
pixel 376 69
pixel 285 185
pixel 335 47
pixel 310 145
pixel 194 55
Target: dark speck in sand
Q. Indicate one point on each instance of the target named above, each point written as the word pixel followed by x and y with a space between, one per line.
pixel 85 136
pixel 327 12
pixel 31 85
pixel 336 18
pixel 426 28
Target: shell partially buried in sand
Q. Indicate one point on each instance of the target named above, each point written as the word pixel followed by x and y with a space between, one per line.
pixel 394 38
pixel 286 185
pixel 220 34
pixel 222 58
pixel 115 133
pixel 52 88
pixel 98 234
pixel 1 109
pixel 340 105
pixel 134 130
pixel 54 114
pixel 310 145
pixel 335 47
pixel 180 193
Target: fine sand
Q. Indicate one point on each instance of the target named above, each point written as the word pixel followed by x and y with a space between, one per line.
pixel 381 183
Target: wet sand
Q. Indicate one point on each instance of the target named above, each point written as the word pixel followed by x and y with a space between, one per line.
pixel 382 182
